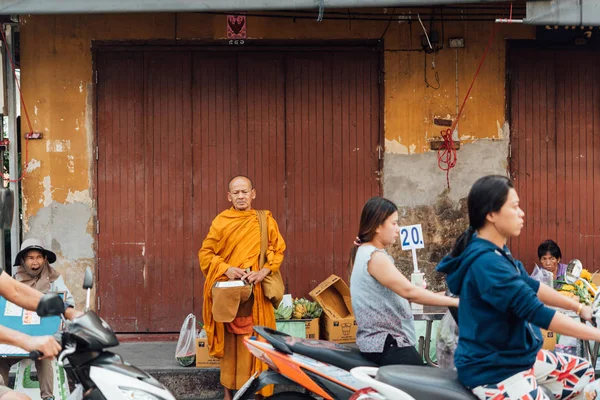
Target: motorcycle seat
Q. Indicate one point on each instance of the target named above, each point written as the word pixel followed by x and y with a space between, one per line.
pixel 327 352
pixel 425 382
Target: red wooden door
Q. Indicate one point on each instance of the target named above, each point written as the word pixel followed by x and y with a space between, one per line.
pixel 332 163
pixel 555 150
pixel 174 126
pixel 121 193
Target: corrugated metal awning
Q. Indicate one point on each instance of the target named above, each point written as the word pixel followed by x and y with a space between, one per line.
pixel 563 12
pixel 124 6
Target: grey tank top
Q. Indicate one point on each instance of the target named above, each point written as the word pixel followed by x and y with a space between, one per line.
pixel 379 311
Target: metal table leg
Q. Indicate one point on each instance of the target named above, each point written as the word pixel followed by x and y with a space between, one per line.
pixel 594 354
pixel 428 344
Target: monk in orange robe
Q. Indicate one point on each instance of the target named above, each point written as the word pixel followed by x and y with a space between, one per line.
pixel 231 247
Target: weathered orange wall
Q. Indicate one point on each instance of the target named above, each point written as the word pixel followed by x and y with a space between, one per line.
pixel 56 64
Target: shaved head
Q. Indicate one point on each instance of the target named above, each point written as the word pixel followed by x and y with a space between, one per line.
pixel 241 193
pixel 240 177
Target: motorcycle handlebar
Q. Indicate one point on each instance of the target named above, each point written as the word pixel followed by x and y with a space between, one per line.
pixel 36 354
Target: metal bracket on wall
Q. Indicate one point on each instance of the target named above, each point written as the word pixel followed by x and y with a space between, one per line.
pixel 438 143
pixel 34 135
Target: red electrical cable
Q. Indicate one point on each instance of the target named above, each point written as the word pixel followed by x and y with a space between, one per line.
pixel 447 156
pixel 24 108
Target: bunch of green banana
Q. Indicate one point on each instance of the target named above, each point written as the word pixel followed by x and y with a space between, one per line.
pixel 283 313
pixel 305 309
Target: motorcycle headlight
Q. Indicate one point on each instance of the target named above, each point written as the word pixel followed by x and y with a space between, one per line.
pixel 138 394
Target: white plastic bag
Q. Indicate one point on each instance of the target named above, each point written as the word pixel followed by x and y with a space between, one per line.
pixel 447 341
pixel 202 334
pixel 543 276
pixel 185 353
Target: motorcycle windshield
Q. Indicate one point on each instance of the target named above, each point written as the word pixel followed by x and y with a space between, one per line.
pixel 92 333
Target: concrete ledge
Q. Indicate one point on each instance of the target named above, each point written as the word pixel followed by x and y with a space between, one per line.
pixel 190 383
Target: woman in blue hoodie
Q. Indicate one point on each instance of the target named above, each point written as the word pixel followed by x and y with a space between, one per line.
pixel 499 353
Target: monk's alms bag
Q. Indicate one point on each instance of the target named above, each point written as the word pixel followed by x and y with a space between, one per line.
pixel 272 285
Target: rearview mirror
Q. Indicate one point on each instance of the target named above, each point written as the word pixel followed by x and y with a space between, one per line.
pixel 573 272
pixel 50 305
pixel 88 280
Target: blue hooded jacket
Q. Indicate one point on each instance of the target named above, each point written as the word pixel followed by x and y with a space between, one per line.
pixel 498 315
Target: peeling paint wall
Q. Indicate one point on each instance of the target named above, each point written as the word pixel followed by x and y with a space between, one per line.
pixel 56 62
pixel 442 212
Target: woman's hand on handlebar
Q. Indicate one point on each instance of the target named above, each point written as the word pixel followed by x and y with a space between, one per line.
pixel 46 345
pixel 586 313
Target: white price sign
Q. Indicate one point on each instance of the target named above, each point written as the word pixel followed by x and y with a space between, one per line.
pixel 411 237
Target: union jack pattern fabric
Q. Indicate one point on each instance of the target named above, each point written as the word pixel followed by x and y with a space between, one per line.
pixel 564 375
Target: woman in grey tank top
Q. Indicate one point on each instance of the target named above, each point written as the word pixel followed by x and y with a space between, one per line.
pixel 381 295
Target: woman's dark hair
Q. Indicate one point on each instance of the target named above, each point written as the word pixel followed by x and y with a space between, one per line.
pixel 374 213
pixel 549 246
pixel 487 195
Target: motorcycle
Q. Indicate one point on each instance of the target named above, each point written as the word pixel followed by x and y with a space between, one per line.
pixel 98 374
pixel 334 371
pixel 404 382
pixel 321 367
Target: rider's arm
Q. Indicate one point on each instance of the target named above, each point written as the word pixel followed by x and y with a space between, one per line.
pixel 546 294
pixel 568 326
pixel 385 272
pixel 552 298
pixel 501 285
pixel 14 338
pixel 18 293
pixel 47 345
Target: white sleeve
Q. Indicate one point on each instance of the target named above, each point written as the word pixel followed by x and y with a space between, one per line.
pixel 62 287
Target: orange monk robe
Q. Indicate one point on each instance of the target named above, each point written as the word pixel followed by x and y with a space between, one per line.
pixel 234 241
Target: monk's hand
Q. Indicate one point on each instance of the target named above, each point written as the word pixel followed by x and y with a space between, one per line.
pixel 257 276
pixel 235 273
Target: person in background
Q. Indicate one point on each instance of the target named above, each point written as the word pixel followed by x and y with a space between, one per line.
pixel 34 270
pixel 550 256
pixel 231 247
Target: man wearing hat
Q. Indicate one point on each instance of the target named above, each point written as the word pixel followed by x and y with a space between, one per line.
pixel 34 271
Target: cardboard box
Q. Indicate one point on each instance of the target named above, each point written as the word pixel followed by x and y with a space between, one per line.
pixel 293 327
pixel 338 330
pixel 312 328
pixel 337 322
pixel 203 360
pixel 549 340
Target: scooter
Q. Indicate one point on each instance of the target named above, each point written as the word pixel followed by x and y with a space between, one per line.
pixel 404 382
pixel 334 371
pixel 98 374
pixel 321 367
pixel 337 372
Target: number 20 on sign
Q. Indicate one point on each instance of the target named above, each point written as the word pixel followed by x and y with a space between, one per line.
pixel 411 238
